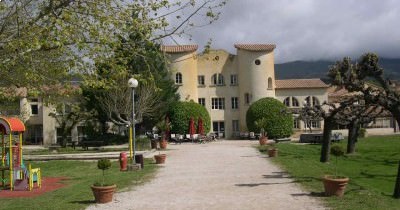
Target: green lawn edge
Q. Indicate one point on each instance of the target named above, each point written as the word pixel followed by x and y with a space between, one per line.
pixel 81 175
pixel 372 171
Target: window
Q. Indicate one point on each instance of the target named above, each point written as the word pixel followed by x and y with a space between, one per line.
pixel 234 79
pixel 202 101
pixel 315 124
pixel 295 102
pixel 291 100
pixel 247 98
pixel 287 101
pixel 218 103
pixel 269 83
pixel 312 100
pixel 178 78
pixel 34 134
pixel 235 102
pixel 200 79
pixel 34 106
pixel 217 79
pixel 296 123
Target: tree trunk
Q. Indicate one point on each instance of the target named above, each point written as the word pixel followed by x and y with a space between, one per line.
pixel 396 193
pixel 326 140
pixel 353 135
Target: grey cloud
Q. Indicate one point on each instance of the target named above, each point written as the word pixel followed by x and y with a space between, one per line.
pixel 308 29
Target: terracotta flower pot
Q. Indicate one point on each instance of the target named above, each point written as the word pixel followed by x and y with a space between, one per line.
pixel 263 140
pixel 335 186
pixel 160 159
pixel 273 152
pixel 103 194
pixel 163 144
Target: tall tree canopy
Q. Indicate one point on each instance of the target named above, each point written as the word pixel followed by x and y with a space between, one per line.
pixel 42 42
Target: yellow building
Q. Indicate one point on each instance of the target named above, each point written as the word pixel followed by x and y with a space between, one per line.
pixel 227 84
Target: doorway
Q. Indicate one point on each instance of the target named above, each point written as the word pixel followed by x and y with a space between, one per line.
pixel 219 128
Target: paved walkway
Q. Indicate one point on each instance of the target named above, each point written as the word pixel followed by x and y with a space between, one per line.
pixel 219 175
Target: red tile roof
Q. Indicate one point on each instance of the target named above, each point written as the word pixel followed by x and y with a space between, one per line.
pixel 300 83
pixel 256 47
pixel 179 48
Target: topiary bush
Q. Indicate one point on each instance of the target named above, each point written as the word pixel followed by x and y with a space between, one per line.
pixel 180 113
pixel 272 116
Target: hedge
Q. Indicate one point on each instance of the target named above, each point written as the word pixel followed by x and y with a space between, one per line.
pixel 180 113
pixel 272 115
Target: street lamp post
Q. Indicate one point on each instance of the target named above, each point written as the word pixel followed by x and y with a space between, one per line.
pixel 133 83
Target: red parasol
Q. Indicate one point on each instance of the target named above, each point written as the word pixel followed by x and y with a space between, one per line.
pixel 200 128
pixel 192 130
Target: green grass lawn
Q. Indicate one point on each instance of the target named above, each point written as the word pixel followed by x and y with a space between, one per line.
pixel 77 193
pixel 372 171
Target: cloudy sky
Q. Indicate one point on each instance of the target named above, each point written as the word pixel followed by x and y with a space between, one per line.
pixel 308 29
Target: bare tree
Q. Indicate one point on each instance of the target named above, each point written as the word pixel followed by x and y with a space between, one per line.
pixel 117 103
pixel 367 77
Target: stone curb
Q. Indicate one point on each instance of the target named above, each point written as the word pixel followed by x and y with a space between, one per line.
pixel 84 156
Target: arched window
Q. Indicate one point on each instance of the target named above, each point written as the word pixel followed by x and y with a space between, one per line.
pixel 287 101
pixel 178 78
pixel 312 100
pixel 217 79
pixel 269 83
pixel 295 102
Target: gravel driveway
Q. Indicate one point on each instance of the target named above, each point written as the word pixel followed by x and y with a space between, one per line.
pixel 217 175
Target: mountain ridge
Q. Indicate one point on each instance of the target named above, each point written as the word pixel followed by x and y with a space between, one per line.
pixel 318 69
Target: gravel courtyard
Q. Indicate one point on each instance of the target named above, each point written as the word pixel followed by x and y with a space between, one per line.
pixel 217 175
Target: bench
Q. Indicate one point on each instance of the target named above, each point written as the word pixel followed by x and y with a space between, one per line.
pixel 282 140
pixel 54 148
pixel 316 138
pixel 86 144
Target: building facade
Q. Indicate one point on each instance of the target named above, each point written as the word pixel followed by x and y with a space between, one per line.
pixel 228 84
pixel 225 84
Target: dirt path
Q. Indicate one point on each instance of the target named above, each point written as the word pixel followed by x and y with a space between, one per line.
pixel 218 175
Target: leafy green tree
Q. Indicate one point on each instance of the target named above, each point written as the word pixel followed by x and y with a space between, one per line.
pixel 138 54
pixel 40 40
pixel 272 116
pixel 44 42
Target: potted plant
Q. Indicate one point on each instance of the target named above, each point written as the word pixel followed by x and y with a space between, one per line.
pixel 163 127
pixel 263 135
pixel 335 185
pixel 103 192
pixel 272 150
pixel 160 158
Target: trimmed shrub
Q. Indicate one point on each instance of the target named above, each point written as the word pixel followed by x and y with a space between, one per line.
pixel 362 133
pixel 180 113
pixel 272 116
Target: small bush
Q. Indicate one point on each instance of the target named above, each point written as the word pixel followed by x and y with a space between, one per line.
pixel 103 164
pixel 362 133
pixel 272 116
pixel 337 150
